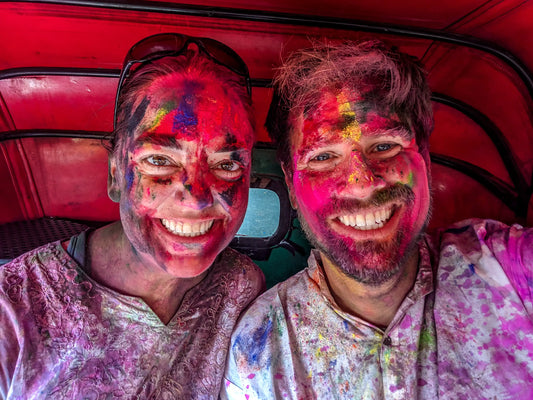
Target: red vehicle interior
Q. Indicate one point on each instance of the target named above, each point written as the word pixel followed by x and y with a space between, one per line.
pixel 59 65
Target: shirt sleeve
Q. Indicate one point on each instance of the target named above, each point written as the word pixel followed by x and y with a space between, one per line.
pixel 513 248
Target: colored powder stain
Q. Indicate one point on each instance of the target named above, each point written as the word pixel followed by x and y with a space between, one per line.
pixel 247 396
pixel 161 113
pixel 251 376
pixel 386 356
pixel 426 338
pixel 129 178
pixel 185 116
pixel 350 128
pixel 332 363
pixel 321 350
pixel 346 325
pixel 254 345
pixel 278 376
pixel 410 179
pixel 471 267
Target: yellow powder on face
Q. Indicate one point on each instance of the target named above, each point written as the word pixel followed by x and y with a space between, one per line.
pixel 352 129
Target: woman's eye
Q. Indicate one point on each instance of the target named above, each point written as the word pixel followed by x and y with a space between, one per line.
pixel 229 166
pixel 228 170
pixel 159 161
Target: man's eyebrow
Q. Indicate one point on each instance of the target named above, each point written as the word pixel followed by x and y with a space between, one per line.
pixel 322 141
pixel 400 131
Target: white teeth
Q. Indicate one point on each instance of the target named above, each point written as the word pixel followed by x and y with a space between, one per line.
pixel 187 229
pixel 367 221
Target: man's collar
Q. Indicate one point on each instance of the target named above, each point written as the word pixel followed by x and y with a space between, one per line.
pixel 424 283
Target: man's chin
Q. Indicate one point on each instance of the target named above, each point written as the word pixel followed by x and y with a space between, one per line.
pixel 369 262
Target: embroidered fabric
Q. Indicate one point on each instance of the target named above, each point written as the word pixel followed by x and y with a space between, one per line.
pixel 64 336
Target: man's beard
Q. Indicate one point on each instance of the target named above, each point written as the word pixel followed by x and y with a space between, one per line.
pixel 369 262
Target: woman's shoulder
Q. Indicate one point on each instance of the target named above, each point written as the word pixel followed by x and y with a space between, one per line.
pixel 239 272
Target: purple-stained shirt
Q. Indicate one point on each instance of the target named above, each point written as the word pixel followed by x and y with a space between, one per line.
pixel 64 336
pixel 464 331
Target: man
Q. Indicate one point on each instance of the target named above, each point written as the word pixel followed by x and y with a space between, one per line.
pixel 383 310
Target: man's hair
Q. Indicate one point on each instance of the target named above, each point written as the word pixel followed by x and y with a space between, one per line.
pixel 189 64
pixel 396 79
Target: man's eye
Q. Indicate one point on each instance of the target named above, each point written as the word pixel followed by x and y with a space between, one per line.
pixel 159 161
pixel 322 157
pixel 383 147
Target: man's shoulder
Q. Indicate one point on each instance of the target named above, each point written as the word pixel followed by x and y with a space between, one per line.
pixel 472 234
pixel 497 253
pixel 283 295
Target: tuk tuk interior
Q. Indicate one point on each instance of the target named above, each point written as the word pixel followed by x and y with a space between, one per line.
pixel 59 67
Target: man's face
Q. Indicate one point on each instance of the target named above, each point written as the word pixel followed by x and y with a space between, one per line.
pixel 360 185
pixel 183 173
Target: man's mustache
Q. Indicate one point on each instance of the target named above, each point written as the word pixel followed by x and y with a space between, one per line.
pixel 398 192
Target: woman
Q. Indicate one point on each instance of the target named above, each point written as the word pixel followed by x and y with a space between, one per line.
pixel 144 307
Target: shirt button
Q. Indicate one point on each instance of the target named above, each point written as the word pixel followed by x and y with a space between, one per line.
pixel 387 341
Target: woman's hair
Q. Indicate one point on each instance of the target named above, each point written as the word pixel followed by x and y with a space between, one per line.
pixel 191 64
pixel 396 81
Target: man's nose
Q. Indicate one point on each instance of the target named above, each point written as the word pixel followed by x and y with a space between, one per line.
pixel 195 191
pixel 362 177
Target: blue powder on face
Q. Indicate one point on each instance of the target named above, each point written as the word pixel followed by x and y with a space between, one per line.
pixel 129 178
pixel 186 116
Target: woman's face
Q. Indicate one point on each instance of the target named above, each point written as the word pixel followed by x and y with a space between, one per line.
pixel 182 173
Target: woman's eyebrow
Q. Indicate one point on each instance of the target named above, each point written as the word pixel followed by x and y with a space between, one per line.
pixel 157 140
pixel 232 149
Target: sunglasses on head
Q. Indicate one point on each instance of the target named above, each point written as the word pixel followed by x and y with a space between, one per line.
pixel 174 44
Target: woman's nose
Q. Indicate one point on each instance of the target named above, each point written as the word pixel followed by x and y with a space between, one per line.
pixel 195 191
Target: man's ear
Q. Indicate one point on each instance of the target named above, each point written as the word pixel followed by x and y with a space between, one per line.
pixel 288 182
pixel 113 190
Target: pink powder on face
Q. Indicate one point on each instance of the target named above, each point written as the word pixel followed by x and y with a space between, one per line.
pixel 195 133
pixel 336 173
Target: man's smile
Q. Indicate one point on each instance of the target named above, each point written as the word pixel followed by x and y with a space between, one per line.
pixel 369 220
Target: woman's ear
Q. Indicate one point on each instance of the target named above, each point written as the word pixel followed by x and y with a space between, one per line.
pixel 113 189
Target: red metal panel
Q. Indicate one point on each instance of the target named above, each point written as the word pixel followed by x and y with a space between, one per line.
pixel 71 178
pixel 457 197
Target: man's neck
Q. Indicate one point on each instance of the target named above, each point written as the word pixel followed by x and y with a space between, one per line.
pixel 376 304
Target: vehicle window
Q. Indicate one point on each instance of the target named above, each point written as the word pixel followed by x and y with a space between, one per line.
pixel 262 215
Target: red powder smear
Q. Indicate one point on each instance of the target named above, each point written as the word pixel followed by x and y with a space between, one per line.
pixel 278 376
pixel 376 122
pixel 251 376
